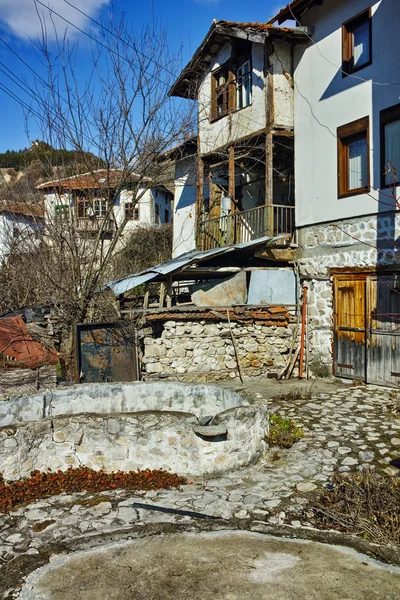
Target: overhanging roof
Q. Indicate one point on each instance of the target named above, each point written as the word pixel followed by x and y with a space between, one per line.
pixel 160 272
pixel 221 32
pixel 294 10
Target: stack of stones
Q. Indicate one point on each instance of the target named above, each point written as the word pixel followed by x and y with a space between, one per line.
pixel 205 351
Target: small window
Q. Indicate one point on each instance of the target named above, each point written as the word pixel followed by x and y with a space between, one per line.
pixel 357 43
pixel 353 158
pixel 243 85
pixel 166 215
pixel 83 208
pixel 100 207
pixel 221 83
pixel 131 211
pixel 390 146
pixel 61 210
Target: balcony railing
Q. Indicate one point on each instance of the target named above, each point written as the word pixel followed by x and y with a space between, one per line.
pixel 246 226
pixel 94 225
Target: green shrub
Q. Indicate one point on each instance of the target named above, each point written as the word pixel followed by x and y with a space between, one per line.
pixel 283 432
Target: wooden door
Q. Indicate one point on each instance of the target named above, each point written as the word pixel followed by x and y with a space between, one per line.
pixel 350 327
pixel 383 352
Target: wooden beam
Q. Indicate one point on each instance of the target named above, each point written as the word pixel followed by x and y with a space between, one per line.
pixel 231 180
pixel 169 291
pixel 269 183
pixel 162 294
pixel 146 296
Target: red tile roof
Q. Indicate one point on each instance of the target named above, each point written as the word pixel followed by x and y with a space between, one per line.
pixel 22 208
pixel 102 178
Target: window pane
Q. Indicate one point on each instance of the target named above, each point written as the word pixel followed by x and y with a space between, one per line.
pixel 392 152
pixel 361 49
pixel 358 164
pixel 243 83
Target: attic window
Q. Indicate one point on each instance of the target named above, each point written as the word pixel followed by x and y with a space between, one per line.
pixel 357 43
pixel 221 93
pixel 230 89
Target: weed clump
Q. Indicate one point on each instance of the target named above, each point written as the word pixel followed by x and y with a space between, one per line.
pixel 283 432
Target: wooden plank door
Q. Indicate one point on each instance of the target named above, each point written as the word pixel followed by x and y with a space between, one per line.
pixel 383 353
pixel 350 327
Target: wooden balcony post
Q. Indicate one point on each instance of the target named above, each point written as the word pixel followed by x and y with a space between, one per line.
pixel 199 202
pixel 269 184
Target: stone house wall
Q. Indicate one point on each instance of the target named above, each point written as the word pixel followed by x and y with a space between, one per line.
pixel 205 350
pixel 367 242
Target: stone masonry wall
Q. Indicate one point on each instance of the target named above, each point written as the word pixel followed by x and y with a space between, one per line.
pixel 149 439
pixel 370 241
pixel 205 351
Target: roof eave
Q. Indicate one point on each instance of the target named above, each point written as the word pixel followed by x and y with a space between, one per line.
pixel 295 9
pixel 187 87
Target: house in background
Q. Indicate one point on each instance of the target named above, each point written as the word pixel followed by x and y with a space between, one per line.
pixel 85 198
pixel 347 160
pixel 242 77
pixel 20 224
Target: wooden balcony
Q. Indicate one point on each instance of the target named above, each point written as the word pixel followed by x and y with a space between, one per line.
pixel 92 225
pixel 246 226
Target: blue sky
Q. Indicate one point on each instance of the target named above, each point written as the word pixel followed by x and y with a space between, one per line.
pixel 186 21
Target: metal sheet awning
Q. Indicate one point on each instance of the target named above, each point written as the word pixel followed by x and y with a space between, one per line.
pixel 160 272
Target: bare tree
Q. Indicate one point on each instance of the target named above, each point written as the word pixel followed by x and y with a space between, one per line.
pixel 121 120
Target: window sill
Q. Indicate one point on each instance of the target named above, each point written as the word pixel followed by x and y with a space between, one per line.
pixel 346 72
pixel 230 112
pixel 357 192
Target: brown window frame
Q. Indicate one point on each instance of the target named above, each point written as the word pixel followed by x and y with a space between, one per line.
pixel 348 29
pixel 345 135
pixel 131 212
pixel 229 89
pixel 388 115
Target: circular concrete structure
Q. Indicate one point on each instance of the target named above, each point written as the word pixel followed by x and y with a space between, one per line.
pixel 189 429
pixel 213 566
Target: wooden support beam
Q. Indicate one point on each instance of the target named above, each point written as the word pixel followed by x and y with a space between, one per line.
pixel 269 183
pixel 162 294
pixel 146 296
pixel 169 291
pixel 231 180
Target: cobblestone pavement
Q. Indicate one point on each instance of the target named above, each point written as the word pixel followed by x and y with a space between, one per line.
pixel 346 429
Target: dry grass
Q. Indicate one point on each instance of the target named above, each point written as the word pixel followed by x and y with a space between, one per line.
pixel 366 504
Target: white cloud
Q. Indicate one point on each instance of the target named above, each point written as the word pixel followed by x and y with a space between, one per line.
pixel 23 17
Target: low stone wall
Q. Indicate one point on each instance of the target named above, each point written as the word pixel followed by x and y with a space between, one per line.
pixel 205 350
pixel 39 436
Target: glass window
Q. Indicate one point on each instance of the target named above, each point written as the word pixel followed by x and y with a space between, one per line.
pixel 131 211
pixel 243 85
pixel 353 158
pixel 390 146
pixel 100 207
pixel 358 163
pixel 357 36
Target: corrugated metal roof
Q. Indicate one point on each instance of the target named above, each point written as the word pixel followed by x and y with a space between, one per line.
pixel 120 286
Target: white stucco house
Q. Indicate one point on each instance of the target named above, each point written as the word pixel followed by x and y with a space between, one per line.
pixel 238 185
pixel 86 199
pixel 347 163
pixel 20 224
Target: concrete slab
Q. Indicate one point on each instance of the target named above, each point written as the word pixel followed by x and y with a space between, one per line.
pixel 214 566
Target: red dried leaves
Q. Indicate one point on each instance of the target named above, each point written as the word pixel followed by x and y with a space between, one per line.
pixel 42 485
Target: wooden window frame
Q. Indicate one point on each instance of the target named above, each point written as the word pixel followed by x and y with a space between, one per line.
pixel 132 212
pixel 347 42
pixel 345 135
pixel 230 68
pixel 388 115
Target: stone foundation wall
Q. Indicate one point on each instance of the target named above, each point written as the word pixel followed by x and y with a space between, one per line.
pixel 366 242
pixel 205 351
